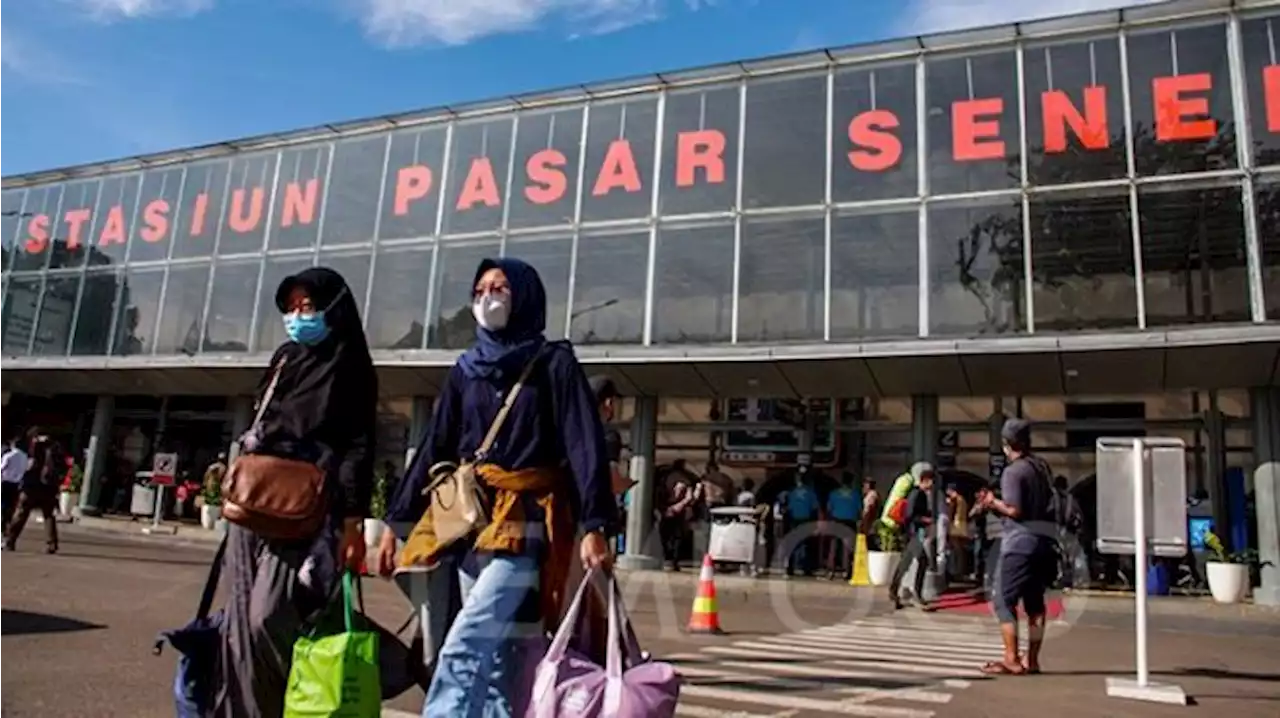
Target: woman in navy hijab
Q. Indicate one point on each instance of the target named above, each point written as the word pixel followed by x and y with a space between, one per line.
pixel 547 478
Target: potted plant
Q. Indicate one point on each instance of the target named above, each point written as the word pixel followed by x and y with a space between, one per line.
pixel 882 562
pixel 69 496
pixel 1227 573
pixel 210 505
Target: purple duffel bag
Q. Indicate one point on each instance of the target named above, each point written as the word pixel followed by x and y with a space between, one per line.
pixel 567 684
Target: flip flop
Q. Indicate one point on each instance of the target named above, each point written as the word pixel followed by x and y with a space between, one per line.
pixel 1000 668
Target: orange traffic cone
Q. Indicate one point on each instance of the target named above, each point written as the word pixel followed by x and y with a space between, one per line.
pixel 706 616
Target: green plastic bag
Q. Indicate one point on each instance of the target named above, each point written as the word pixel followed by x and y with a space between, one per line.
pixel 335 676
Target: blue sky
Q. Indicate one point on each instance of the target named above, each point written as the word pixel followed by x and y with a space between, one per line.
pixel 90 80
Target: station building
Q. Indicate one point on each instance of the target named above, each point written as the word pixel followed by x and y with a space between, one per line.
pixel 1075 220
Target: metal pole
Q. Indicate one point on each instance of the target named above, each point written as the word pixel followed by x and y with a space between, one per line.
pixel 1140 557
pixel 155 519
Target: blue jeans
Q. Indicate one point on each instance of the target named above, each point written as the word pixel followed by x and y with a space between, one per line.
pixel 474 671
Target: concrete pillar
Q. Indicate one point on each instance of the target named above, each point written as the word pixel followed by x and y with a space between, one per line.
pixel 643 547
pixel 95 456
pixel 419 418
pixel 241 416
pixel 924 447
pixel 1266 490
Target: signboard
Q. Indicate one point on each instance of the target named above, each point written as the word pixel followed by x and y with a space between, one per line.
pixel 1161 473
pixel 164 469
pixel 772 411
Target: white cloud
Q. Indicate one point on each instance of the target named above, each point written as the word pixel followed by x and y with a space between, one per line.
pixel 107 10
pixel 927 16
pixel 34 62
pixel 400 23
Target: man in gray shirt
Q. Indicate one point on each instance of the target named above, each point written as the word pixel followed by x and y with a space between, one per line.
pixel 1028 559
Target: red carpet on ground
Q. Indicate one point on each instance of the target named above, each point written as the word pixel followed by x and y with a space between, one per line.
pixel 974 604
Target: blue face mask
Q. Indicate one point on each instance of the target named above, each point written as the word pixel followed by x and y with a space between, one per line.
pixel 308 329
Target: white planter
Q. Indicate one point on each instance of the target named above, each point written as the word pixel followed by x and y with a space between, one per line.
pixel 66 502
pixel 1228 582
pixel 209 516
pixel 880 566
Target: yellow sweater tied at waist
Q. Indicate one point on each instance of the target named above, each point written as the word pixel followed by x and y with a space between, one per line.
pixel 507 529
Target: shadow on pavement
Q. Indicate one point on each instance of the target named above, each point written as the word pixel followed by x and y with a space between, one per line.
pixel 20 623
pixel 201 561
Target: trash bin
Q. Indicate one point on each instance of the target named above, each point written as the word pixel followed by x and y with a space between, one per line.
pixel 733 535
pixel 143 501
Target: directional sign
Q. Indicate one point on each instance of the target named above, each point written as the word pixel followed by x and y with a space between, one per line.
pixel 164 468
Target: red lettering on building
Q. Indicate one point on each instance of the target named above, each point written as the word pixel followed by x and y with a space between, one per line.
pixel 1271 96
pixel 701 149
pixel 875 148
pixel 479 187
pixel 155 221
pixel 1090 127
pixel 240 219
pixel 299 203
pixel 112 229
pixel 1179 116
pixel 198 212
pixel 618 170
pixel 545 170
pixel 75 220
pixel 412 184
pixel 973 137
pixel 37 234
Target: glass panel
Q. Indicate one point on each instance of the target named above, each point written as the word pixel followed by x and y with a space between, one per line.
pixel 140 308
pixel 37 227
pixel 1082 262
pixel 478 163
pixel 874 134
pixel 875 276
pixel 693 285
pixel 552 257
pixel 412 184
pixel 183 310
pixel 354 268
pixel 401 282
pixel 1268 199
pixel 231 300
pixel 248 194
pixel 95 314
pixel 269 329
pixel 975 268
pixel 619 171
pixel 973 123
pixel 158 211
pixel 608 288
pixel 452 325
pixel 786 142
pixel 299 201
pixel 1261 40
pixel 1181 94
pixel 20 305
pixel 1075 112
pixel 53 329
pixel 352 199
pixel 12 220
pixel 201 210
pixel 781 281
pixel 700 151
pixel 73 231
pixel 548 148
pixel 1193 256
pixel 112 220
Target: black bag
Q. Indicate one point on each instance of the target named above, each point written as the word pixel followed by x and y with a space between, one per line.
pixel 198 643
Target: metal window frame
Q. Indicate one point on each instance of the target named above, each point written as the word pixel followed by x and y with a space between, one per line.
pixel 1244 150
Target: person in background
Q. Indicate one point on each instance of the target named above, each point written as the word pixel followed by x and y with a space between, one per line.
pixel 986 533
pixel 606 394
pixel 844 507
pixel 13 466
pixel 958 532
pixel 747 496
pixel 214 473
pixel 39 490
pixel 870 513
pixel 803 508
pixel 916 522
pixel 1028 561
pixel 681 496
pixel 1070 520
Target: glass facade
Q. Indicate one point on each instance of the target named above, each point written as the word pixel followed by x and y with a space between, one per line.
pixel 1127 179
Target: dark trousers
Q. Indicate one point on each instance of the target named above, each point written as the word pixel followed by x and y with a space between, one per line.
pixel 804 548
pixel 44 501
pixel 671 530
pixel 915 551
pixel 9 491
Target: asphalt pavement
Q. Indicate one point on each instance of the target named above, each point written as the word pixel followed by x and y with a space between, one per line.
pixel 78 629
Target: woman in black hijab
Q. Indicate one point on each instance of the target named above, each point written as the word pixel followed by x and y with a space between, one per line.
pixel 322 409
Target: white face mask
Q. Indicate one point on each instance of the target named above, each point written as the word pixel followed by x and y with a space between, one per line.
pixel 492 311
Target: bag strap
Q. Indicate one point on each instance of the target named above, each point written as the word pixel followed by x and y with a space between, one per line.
pixel 507 403
pixel 211 583
pixel 350 586
pixel 270 391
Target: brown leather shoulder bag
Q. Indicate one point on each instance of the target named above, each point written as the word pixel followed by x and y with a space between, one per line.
pixel 274 497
